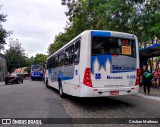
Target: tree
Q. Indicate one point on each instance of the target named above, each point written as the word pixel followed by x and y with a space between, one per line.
pixel 148 23
pixel 140 17
pixel 15 55
pixel 30 61
pixel 60 40
pixel 3 33
pixel 40 59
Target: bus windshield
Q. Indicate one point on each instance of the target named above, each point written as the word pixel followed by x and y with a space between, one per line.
pixel 36 68
pixel 113 45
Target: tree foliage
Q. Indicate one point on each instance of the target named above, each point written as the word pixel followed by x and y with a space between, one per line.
pixel 38 59
pixel 3 33
pixel 15 56
pixel 140 17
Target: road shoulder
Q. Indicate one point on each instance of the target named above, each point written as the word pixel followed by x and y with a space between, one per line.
pixel 2 83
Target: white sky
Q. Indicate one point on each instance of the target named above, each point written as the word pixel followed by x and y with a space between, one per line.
pixel 34 22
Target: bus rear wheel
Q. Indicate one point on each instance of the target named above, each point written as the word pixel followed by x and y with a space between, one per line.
pixel 61 94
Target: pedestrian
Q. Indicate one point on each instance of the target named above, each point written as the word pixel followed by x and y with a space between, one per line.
pixel 157 78
pixel 146 79
pixel 154 80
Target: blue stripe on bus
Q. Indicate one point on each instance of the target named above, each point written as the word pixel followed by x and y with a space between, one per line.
pixel 61 77
pixel 66 78
pixel 100 34
pixel 49 71
pixel 123 71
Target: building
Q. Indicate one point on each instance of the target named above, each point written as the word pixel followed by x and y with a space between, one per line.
pixel 3 67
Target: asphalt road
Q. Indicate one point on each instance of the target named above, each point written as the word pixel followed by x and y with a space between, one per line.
pixel 30 99
pixel 33 100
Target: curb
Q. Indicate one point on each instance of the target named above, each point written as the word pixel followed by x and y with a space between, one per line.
pixel 2 83
pixel 150 97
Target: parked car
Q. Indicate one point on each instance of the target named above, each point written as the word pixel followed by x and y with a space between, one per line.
pixel 14 78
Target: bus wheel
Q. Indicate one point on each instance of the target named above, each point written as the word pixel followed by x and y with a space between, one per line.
pixel 47 84
pixel 61 94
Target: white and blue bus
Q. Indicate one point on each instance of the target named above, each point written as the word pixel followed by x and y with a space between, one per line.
pixel 36 72
pixel 95 64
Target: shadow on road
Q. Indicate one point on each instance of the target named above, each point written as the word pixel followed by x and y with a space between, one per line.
pixel 11 84
pixel 98 102
pixel 89 102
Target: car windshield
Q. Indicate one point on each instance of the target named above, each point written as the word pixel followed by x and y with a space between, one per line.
pixel 15 74
pixel 19 74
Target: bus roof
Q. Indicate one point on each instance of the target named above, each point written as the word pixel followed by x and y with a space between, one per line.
pixel 150 51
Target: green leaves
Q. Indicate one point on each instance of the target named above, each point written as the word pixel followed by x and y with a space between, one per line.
pixel 40 59
pixel 139 17
pixel 3 33
pixel 15 56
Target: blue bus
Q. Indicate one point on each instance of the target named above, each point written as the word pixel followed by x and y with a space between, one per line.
pixel 36 72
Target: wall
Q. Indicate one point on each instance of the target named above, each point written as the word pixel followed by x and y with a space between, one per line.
pixel 3 68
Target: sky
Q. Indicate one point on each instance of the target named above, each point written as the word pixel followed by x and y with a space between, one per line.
pixel 34 22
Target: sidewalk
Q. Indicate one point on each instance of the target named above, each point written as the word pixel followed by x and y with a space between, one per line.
pixel 2 83
pixel 154 93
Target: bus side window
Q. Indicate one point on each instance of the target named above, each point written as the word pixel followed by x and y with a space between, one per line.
pixel 61 58
pixel 47 64
pixel 69 52
pixel 71 58
pixel 56 60
pixel 66 58
pixel 76 52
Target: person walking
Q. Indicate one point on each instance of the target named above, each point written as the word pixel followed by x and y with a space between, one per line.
pixel 146 79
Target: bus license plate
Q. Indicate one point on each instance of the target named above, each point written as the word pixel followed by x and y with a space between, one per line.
pixel 114 93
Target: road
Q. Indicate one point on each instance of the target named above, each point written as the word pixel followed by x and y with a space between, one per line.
pixel 33 100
